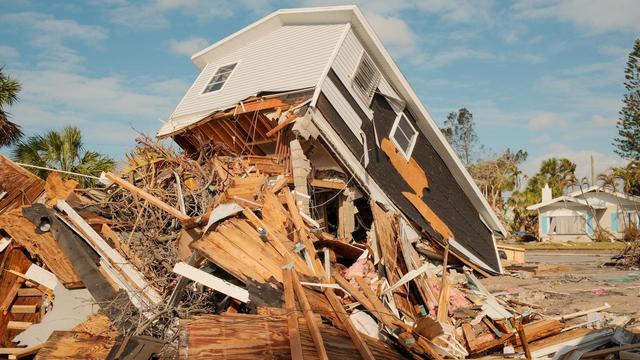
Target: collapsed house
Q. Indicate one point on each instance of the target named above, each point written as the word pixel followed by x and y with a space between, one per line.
pixel 315 212
pixel 315 89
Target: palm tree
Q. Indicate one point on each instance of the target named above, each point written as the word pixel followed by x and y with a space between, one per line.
pixel 62 150
pixel 10 132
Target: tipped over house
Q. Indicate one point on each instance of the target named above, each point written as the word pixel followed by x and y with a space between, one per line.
pixel 316 91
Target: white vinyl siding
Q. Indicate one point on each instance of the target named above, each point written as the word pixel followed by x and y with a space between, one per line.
pixel 342 106
pixel 287 58
pixel 404 135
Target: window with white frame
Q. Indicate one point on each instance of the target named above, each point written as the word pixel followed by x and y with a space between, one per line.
pixel 404 135
pixel 366 78
pixel 219 78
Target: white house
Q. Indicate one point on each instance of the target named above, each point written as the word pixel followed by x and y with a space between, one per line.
pixel 576 216
pixel 322 81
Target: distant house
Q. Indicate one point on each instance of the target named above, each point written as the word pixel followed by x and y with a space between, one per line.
pixel 576 216
pixel 315 90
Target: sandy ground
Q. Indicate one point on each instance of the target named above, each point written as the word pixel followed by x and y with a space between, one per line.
pixel 571 281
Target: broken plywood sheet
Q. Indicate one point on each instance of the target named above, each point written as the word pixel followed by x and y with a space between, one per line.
pixel 245 336
pixel 410 170
pixel 41 246
pixel 75 345
pixel 21 186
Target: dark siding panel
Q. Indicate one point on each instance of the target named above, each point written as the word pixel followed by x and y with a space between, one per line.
pixel 444 195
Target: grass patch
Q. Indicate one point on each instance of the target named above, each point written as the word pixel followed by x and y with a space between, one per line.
pixel 618 245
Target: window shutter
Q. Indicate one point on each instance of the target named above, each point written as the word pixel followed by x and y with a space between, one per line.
pixel 544 225
pixel 589 224
pixel 614 222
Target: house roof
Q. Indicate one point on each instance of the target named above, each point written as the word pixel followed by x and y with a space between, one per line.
pixel 566 198
pixel 351 14
pixel 605 189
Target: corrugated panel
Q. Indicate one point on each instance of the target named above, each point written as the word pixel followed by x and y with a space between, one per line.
pixel 343 108
pixel 21 186
pixel 290 57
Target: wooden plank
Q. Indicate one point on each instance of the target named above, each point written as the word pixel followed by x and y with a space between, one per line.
pixel 25 352
pixel 251 336
pixel 145 195
pixel 602 353
pixel 130 274
pixel 211 281
pixel 292 316
pixel 523 340
pixel 443 301
pixel 29 292
pixel 18 325
pixel 362 347
pixel 41 246
pixel 23 309
pixel 326 184
pixel 10 296
pixel 63 345
pixel 311 321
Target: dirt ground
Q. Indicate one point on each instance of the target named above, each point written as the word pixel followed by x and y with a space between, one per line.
pixel 571 281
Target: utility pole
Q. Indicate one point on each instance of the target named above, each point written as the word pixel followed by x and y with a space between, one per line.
pixel 593 171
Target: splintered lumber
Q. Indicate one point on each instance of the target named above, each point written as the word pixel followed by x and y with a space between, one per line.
pixel 121 246
pixel 362 347
pixel 316 336
pixel 145 195
pixel 292 316
pixel 336 185
pixel 565 341
pixel 211 281
pixel 379 310
pixel 41 246
pixel 130 275
pixel 523 340
pixel 581 313
pixel 539 329
pixel 249 336
pixel 63 345
pixel 275 241
pixel 19 353
pixel 426 346
pixel 443 302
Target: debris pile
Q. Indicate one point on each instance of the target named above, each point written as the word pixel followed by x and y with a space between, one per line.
pixel 211 254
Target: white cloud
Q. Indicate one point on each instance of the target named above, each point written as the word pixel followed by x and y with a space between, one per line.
pixel 187 46
pixel 596 16
pixel 393 31
pixel 50 34
pixel 548 121
pixel 601 121
pixel 8 53
pixel 452 55
pixel 581 157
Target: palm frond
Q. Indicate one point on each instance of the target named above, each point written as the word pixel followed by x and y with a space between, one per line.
pixel 10 132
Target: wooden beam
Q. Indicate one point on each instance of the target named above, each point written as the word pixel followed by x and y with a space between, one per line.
pixel 361 346
pixel 290 119
pixel 443 301
pixel 211 281
pixel 23 309
pixel 292 316
pixel 29 292
pixel 326 184
pixel 316 336
pixel 18 325
pixel 523 339
pixel 145 195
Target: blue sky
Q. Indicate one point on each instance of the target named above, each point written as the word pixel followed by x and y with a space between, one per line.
pixel 544 76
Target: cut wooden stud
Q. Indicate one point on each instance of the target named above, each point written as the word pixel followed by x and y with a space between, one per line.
pixel 292 316
pixel 443 301
pixel 316 336
pixel 361 346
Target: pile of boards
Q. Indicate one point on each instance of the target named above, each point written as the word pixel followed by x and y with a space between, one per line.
pixel 227 263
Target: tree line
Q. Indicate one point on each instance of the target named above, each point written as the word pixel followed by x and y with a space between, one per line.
pixel 509 191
